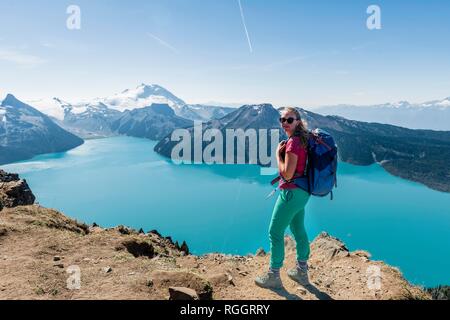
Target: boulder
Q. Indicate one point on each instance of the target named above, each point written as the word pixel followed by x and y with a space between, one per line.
pixel 107 269
pixel 329 247
pixel 260 252
pixel 14 191
pixel 221 280
pixel 8 177
pixel 184 279
pixel 124 230
pixel 181 293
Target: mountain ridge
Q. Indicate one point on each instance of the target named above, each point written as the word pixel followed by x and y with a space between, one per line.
pixel 434 115
pixel 416 155
pixel 26 132
pixel 140 97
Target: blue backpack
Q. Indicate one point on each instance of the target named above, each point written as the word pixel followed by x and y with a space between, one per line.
pixel 320 176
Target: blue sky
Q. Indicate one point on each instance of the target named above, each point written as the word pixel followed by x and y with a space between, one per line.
pixel 305 53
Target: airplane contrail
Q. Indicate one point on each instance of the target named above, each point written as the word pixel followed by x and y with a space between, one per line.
pixel 163 43
pixel 245 27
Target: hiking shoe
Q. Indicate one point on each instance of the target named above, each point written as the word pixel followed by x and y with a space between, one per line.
pixel 299 275
pixel 269 281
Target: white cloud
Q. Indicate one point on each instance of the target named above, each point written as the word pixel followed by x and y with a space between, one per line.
pixel 19 58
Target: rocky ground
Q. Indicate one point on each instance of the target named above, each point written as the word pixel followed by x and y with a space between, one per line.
pixel 46 255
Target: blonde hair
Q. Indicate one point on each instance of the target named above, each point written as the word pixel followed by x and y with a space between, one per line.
pixel 301 130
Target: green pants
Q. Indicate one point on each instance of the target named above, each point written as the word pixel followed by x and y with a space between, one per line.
pixel 289 211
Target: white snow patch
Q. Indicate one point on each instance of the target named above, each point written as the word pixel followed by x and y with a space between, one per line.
pixel 130 103
pixel 258 108
pixel 3 114
pixel 79 109
pixel 50 107
pixel 141 97
pixel 444 103
pixel 400 104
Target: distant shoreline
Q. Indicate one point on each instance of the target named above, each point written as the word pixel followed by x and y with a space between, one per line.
pixel 430 185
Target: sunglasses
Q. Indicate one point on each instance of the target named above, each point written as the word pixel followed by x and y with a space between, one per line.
pixel 288 120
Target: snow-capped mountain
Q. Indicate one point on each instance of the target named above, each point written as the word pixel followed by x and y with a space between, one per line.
pixel 433 115
pixel 141 97
pixel 86 120
pixel 145 95
pixel 26 132
pixel 443 104
pixel 92 118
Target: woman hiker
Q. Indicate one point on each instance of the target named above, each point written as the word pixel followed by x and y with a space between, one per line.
pixel 289 209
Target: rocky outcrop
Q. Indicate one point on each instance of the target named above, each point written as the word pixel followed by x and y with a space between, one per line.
pixel 440 293
pixel 330 247
pixel 40 246
pixel 147 266
pixel 14 191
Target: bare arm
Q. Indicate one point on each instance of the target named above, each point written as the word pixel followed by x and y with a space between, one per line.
pixel 288 165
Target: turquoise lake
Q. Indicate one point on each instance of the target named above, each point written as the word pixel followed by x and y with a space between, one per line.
pixel 224 208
